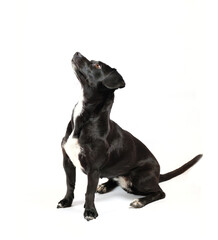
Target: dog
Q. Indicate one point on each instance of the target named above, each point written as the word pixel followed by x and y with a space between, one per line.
pixel 102 149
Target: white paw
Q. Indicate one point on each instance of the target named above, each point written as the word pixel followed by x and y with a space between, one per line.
pixel 59 205
pixel 136 204
pixel 88 218
pixel 101 189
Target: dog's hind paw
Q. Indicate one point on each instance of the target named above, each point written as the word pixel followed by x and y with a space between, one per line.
pixel 101 189
pixel 136 204
pixel 107 186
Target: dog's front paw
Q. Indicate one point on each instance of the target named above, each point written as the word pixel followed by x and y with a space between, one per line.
pixel 90 214
pixel 65 203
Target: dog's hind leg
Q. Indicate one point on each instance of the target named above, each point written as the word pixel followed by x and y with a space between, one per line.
pixel 145 182
pixel 107 186
pixel 150 197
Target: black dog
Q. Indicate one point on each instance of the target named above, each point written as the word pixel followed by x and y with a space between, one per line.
pixel 103 149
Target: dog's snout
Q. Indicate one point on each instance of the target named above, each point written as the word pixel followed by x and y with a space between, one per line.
pixel 78 54
pixel 77 57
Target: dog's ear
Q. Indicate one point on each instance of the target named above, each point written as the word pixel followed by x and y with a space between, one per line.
pixel 113 80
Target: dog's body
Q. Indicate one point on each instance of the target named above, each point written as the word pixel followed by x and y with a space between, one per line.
pixel 101 148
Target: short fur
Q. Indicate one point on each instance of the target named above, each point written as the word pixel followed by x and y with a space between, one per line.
pixel 103 148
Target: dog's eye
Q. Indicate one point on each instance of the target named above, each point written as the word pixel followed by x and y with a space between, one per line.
pixel 97 66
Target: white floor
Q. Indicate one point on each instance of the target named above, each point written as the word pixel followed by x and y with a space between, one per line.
pixel 179 216
pixel 173 45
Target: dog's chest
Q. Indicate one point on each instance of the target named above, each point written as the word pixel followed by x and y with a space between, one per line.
pixel 72 146
pixel 73 150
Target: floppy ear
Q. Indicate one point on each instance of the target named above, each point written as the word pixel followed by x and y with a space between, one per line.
pixel 113 80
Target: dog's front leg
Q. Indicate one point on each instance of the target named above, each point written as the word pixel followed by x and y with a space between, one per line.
pixel 70 171
pixel 90 210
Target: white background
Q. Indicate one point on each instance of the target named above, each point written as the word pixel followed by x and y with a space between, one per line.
pixel 159 49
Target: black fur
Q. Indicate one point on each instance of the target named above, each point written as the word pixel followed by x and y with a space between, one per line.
pixel 108 150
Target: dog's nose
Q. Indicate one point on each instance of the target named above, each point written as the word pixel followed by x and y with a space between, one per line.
pixel 78 54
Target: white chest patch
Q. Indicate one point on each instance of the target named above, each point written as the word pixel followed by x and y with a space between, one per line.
pixel 73 150
pixel 72 147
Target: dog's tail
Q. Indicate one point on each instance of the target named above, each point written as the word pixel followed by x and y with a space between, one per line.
pixel 178 171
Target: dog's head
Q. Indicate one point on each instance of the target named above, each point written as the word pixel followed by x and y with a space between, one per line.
pixel 96 74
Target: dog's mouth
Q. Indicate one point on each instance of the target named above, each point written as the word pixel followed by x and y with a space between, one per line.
pixel 74 65
pixel 80 75
pixel 79 63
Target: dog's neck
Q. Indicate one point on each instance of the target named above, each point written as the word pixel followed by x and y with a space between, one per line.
pixel 91 106
pixel 97 102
